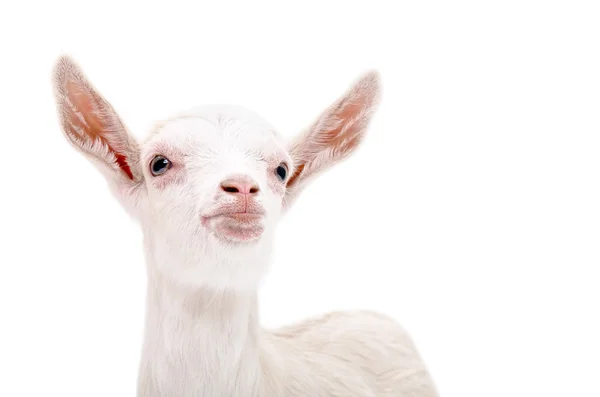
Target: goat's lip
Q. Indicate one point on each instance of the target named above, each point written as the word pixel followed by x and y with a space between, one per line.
pixel 241 216
pixel 235 219
pixel 235 226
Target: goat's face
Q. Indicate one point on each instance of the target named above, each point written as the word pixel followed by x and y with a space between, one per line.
pixel 214 185
pixel 208 186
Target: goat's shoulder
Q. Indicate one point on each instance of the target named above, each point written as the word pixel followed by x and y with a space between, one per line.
pixel 366 335
pixel 370 349
pixel 355 323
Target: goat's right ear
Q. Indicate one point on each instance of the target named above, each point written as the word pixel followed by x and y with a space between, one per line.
pixel 94 128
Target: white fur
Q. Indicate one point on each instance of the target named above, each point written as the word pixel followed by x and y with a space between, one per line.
pixel 202 334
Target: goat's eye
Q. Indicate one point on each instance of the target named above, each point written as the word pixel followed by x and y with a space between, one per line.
pixel 281 171
pixel 159 165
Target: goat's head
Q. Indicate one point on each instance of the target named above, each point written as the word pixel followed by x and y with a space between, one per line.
pixel 209 185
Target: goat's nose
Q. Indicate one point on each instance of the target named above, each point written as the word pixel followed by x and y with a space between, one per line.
pixel 239 186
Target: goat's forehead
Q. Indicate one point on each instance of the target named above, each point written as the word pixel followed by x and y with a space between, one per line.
pixel 218 127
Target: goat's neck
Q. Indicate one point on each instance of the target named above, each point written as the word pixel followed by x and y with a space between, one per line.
pixel 199 342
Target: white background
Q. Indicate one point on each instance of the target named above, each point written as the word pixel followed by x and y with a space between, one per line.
pixel 471 213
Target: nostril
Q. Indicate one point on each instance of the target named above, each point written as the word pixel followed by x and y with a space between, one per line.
pixel 253 190
pixel 230 189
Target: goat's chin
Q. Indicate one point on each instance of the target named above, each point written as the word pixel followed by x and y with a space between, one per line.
pixel 238 235
pixel 217 255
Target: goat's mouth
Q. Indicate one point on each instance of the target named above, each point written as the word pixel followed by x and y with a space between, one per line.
pixel 235 226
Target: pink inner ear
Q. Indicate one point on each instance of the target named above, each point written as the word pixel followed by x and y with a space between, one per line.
pixel 347 135
pixel 122 161
pixel 341 139
pixel 295 176
pixel 86 118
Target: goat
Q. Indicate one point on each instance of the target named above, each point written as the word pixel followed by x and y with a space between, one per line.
pixel 207 187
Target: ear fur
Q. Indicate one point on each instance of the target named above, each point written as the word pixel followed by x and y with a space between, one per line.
pixel 92 126
pixel 336 134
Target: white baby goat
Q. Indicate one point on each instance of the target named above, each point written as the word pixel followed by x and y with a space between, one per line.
pixel 208 187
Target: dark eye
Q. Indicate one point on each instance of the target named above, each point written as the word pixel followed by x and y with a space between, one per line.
pixel 159 165
pixel 281 171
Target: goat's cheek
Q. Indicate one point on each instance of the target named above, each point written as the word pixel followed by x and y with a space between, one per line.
pixel 276 186
pixel 171 177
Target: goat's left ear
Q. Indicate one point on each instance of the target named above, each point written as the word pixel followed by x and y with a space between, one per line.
pixel 93 127
pixel 335 134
